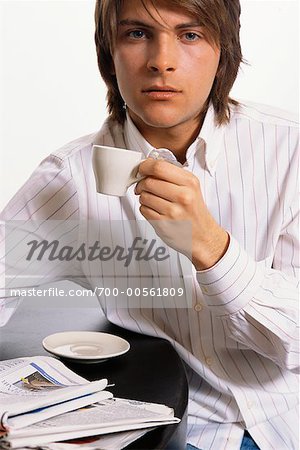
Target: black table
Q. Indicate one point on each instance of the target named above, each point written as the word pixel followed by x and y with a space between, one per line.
pixel 151 371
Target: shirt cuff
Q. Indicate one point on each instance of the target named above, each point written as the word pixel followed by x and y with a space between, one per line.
pixel 231 283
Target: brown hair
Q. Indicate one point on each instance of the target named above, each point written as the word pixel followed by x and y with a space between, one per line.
pixel 220 18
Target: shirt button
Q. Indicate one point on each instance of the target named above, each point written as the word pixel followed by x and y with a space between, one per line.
pixel 208 361
pixel 250 405
pixel 155 154
pixel 198 307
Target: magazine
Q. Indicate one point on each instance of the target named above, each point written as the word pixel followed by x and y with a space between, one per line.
pixel 109 416
pixel 37 388
pixel 112 441
pixel 43 404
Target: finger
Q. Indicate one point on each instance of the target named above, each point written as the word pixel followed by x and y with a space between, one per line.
pixel 164 170
pixel 163 189
pixel 149 213
pixel 158 204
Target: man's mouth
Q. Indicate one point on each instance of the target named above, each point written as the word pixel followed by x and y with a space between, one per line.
pixel 161 89
pixel 161 92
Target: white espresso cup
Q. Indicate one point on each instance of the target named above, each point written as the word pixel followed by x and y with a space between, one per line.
pixel 115 169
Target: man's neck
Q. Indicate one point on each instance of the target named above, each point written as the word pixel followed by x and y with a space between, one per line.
pixel 177 139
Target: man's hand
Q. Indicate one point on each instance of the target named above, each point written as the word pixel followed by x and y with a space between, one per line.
pixel 169 193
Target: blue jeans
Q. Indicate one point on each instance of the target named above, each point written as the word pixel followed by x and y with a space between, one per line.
pixel 247 444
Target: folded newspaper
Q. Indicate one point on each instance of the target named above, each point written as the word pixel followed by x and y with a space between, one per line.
pixel 43 402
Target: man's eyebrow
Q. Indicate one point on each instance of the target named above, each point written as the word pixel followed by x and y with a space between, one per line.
pixel 139 23
pixel 134 23
pixel 194 24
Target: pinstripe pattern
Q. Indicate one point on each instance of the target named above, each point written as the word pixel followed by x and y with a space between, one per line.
pixel 239 341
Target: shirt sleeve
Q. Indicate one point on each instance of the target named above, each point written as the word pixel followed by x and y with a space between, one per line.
pixel 48 197
pixel 258 301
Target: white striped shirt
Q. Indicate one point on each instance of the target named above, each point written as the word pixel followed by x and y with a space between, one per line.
pixel 239 340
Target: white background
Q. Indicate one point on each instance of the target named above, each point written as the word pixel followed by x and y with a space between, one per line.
pixel 50 87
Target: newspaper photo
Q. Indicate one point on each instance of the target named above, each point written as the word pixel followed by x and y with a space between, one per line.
pixel 36 388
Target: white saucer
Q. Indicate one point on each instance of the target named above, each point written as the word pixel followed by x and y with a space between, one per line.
pixel 85 346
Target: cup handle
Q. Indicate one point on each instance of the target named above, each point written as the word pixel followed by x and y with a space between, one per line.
pixel 135 176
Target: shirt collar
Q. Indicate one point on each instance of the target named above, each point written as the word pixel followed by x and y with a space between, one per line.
pixel 133 138
pixel 212 136
pixel 209 140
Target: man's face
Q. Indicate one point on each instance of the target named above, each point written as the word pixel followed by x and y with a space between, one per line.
pixel 165 66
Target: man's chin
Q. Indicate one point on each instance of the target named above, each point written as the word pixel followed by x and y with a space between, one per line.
pixel 161 119
pixel 159 116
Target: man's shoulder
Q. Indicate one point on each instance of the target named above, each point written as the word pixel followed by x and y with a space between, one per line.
pixel 73 147
pixel 83 145
pixel 267 115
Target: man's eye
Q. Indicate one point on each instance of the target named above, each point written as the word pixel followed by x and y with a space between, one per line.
pixel 136 34
pixel 191 36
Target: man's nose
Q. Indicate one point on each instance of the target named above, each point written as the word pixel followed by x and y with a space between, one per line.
pixel 162 56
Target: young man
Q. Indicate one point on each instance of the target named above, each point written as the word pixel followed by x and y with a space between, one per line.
pixel 169 67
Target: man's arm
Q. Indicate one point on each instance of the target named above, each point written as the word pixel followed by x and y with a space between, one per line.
pixel 47 199
pixel 257 303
